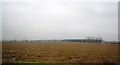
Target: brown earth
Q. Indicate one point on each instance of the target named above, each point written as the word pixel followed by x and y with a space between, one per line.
pixel 59 52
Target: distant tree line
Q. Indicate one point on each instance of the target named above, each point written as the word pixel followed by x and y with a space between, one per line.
pixel 19 41
pixel 87 40
pixel 94 39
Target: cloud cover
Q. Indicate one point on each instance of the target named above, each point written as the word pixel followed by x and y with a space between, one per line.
pixel 53 19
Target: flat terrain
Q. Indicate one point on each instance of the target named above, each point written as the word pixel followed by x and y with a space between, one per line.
pixel 59 52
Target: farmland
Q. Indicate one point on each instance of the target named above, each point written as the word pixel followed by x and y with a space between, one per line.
pixel 59 52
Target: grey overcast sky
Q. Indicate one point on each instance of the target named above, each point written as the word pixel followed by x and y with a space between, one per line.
pixel 59 19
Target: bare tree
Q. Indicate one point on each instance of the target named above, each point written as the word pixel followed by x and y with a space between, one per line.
pixel 25 40
pixel 99 39
pixel 94 39
pixel 15 40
